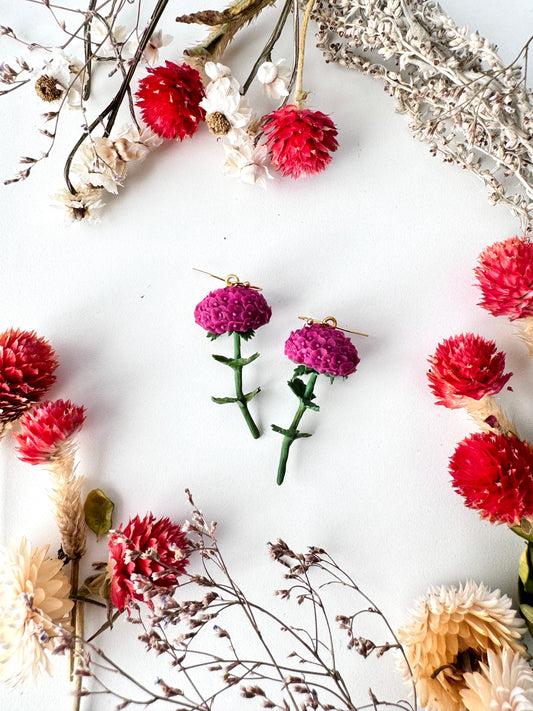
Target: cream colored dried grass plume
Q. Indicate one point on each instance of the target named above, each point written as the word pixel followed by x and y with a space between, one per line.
pixel 34 598
pixel 451 628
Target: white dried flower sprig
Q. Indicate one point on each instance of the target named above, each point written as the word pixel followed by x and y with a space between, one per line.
pixel 472 109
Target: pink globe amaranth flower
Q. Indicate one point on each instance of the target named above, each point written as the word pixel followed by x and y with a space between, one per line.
pixel 126 559
pixel 169 99
pixel 505 275
pixel 324 349
pixel 466 366
pixel 494 474
pixel 232 309
pixel 27 364
pixel 300 141
pixel 46 431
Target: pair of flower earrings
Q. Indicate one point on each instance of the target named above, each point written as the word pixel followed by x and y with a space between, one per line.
pixel 320 347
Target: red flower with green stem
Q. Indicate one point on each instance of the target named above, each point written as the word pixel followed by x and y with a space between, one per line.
pixel 317 348
pixel 238 310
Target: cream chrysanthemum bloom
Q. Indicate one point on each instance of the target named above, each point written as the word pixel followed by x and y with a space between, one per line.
pixel 34 598
pixel 449 633
pixel 504 684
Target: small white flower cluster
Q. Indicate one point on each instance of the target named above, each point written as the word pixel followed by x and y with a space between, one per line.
pixel 101 164
pixel 230 117
pixel 57 78
pixel 113 40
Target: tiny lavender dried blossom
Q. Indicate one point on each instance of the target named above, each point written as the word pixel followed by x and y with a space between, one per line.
pixel 494 474
pixel 233 309
pixel 169 99
pixel 138 555
pixel 505 276
pixel 466 366
pixel 300 141
pixel 238 309
pixel 324 349
pixel 27 364
pixel 47 431
pixel 318 348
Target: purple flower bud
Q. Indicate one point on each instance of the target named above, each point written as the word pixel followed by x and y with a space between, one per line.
pixel 324 349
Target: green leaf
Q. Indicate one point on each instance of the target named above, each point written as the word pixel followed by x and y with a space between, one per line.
pixel 212 336
pixel 293 434
pixel 224 400
pixel 223 359
pixel 297 386
pixel 285 433
pixel 247 335
pixel 299 435
pixel 250 396
pixel 309 404
pixel 98 512
pixel 302 370
pixel 236 362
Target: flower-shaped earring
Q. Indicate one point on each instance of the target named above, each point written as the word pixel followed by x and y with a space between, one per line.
pixel 239 310
pixel 318 347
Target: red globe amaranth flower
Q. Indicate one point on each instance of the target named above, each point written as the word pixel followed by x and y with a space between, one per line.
pixel 300 141
pixel 466 366
pixel 27 364
pixel 494 473
pixel 47 430
pixel 505 275
pixel 169 99
pixel 126 560
pixel 322 348
pixel 233 309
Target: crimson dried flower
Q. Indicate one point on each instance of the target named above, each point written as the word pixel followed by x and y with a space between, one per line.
pixel 47 430
pixel 466 366
pixel 494 474
pixel 505 275
pixel 318 348
pixel 27 364
pixel 237 309
pixel 169 99
pixel 300 141
pixel 146 552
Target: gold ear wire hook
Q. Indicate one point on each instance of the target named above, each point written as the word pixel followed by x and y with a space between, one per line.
pixel 332 322
pixel 231 280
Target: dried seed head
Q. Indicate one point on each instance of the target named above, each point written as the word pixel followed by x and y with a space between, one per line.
pixel 47 88
pixel 218 124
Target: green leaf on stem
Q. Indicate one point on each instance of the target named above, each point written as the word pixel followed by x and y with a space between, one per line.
pixel 98 512
pixel 292 434
pixel 302 370
pixel 250 396
pixel 236 362
pixel 247 335
pixel 224 400
pixel 212 336
pixel 297 386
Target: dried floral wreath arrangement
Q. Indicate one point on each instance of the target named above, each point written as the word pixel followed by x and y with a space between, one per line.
pixel 460 648
pixel 472 109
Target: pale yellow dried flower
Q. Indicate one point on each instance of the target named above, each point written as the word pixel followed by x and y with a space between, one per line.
pixel 67 505
pixel 34 598
pixel 505 683
pixel 451 632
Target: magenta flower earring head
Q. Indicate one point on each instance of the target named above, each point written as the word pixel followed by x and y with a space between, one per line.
pixel 318 347
pixel 239 310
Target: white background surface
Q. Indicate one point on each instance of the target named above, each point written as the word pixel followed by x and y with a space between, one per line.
pixel 386 240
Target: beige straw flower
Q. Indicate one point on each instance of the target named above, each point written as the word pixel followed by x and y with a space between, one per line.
pixel 504 684
pixel 449 634
pixel 34 598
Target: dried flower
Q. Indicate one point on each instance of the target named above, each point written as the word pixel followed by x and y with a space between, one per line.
pixel 237 309
pixel 143 548
pixel 27 364
pixel 47 431
pixel 300 141
pixel 505 276
pixel 34 598
pixel 169 99
pixel 224 105
pixel 324 349
pixel 494 474
pixel 450 632
pixel 247 162
pixel 504 683
pixel 57 76
pixel 466 366
pixel 156 41
pixel 274 76
pixel 82 205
